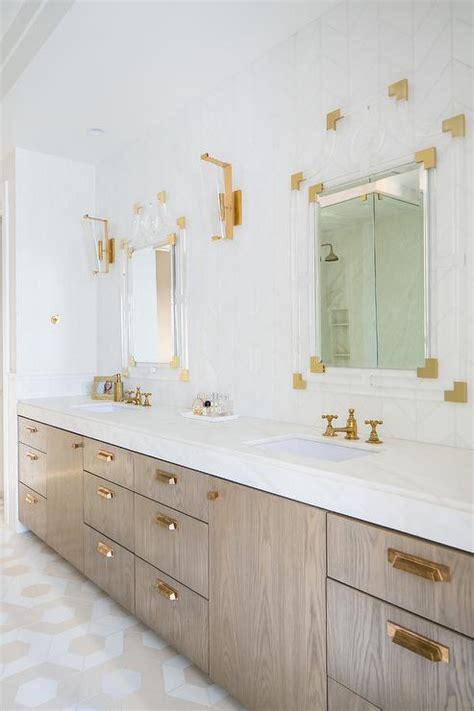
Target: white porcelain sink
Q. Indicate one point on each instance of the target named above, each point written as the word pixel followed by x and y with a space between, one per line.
pixel 312 449
pixel 101 407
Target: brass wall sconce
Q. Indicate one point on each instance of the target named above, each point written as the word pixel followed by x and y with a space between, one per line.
pixel 230 201
pixel 105 247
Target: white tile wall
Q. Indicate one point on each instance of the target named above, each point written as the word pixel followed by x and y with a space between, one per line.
pixel 269 121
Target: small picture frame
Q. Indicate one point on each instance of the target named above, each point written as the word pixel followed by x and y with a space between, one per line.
pixel 103 387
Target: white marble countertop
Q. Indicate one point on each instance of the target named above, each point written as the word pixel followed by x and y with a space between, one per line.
pixel 422 489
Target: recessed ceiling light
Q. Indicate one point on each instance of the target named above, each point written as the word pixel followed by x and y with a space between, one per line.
pixel 97 131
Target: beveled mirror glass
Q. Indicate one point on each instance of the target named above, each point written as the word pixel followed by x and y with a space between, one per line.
pixel 371 271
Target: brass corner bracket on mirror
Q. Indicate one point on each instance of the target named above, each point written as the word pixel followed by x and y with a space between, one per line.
pixel 298 382
pixel 399 90
pixel 161 197
pixel 184 375
pixel 314 191
pixel 181 222
pixel 296 180
pixel 174 362
pixel 230 201
pixel 316 365
pixel 429 369
pixel 172 239
pixel 332 118
pixel 458 393
pixel 427 156
pixel 455 124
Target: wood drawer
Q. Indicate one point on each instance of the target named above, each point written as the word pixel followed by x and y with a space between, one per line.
pixel 109 462
pixel 109 508
pixel 32 433
pixel 363 655
pixel 181 488
pixel 342 699
pixel 32 468
pixel 172 542
pixel 110 566
pixel 379 562
pixel 175 612
pixel 32 510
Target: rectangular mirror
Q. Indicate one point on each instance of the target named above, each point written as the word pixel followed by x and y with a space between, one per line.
pixel 151 304
pixel 371 271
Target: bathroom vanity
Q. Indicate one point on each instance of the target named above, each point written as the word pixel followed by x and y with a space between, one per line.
pixel 241 563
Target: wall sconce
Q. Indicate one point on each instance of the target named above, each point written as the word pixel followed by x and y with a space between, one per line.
pixel 104 247
pixel 229 202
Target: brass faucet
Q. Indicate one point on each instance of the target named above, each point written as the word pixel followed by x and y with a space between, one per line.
pixel 138 398
pixel 350 429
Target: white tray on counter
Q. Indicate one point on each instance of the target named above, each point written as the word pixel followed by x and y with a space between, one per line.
pixel 205 418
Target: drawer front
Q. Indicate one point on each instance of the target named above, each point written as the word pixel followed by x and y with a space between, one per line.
pixel 32 468
pixel 429 579
pixel 172 542
pixel 110 566
pixel 32 433
pixel 394 659
pixel 342 699
pixel 109 508
pixel 109 462
pixel 181 488
pixel 176 613
pixel 32 510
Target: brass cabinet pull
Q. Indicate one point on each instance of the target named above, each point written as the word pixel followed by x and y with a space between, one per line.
pixel 105 493
pixel 31 499
pixel 166 590
pixel 31 429
pixel 166 522
pixel 169 479
pixel 76 445
pixel 32 457
pixel 105 550
pixel 105 456
pixel 434 651
pixel 212 495
pixel 435 572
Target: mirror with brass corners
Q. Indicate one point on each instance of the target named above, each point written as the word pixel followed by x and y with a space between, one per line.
pixel 153 299
pixel 371 271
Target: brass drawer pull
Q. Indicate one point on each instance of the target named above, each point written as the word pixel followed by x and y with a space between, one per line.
pixel 435 572
pixel 105 456
pixel 31 429
pixel 105 493
pixel 76 445
pixel 105 550
pixel 169 479
pixel 166 590
pixel 212 495
pixel 32 457
pixel 166 522
pixel 31 499
pixel 434 651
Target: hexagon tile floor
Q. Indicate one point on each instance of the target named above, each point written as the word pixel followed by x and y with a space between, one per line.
pixel 64 644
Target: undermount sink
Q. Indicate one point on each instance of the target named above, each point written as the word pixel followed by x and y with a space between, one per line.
pixel 312 449
pixel 101 407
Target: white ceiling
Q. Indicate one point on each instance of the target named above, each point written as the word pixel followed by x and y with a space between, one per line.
pixel 126 66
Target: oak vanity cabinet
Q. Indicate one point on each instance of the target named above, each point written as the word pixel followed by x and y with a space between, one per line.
pixel 267 609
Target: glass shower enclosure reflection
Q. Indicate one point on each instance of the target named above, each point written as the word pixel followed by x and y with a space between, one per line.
pixel 371 272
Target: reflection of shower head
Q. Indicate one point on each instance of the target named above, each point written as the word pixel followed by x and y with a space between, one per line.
pixel 331 256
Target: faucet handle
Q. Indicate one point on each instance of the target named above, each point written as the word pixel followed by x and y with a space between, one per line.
pixel 146 399
pixel 374 437
pixel 329 429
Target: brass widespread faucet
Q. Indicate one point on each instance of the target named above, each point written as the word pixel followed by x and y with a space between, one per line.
pixel 138 398
pixel 350 429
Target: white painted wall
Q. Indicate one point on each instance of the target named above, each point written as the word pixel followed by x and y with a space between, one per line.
pixel 54 269
pixel 269 121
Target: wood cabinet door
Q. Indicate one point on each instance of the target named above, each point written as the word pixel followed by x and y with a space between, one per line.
pixel 64 503
pixel 267 606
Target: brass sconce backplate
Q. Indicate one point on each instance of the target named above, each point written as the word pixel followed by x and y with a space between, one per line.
pixel 296 180
pixel 455 124
pixel 332 118
pixel 313 192
pixel 399 90
pixel 316 365
pixel 429 369
pixel 427 156
pixel 298 382
pixel 458 393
